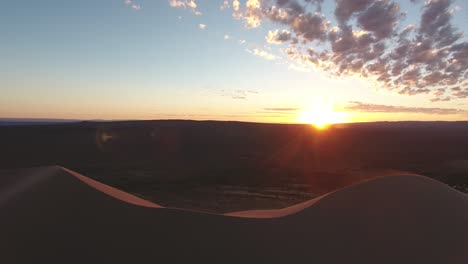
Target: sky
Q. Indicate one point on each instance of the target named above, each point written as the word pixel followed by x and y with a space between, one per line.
pixel 283 61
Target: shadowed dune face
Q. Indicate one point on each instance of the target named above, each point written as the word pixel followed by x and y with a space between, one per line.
pixel 399 219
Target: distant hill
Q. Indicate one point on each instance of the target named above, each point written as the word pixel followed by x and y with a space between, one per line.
pixel 34 121
pixel 411 124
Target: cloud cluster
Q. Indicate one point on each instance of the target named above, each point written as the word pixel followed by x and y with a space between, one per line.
pixel 376 108
pixel 370 40
pixel 190 4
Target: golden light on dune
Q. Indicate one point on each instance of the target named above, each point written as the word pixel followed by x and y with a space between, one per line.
pixel 321 114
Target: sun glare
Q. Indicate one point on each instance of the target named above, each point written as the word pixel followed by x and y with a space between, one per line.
pixel 321 115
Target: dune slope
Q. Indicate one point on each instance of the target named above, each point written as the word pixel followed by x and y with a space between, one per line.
pixel 54 215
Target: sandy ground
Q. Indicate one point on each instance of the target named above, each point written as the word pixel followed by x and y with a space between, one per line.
pixel 52 215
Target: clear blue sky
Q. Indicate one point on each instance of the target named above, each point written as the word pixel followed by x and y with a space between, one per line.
pixel 146 59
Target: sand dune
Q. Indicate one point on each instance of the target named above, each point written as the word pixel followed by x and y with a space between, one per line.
pixel 54 215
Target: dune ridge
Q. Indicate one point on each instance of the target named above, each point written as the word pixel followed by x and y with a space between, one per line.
pixel 111 191
pixel 273 213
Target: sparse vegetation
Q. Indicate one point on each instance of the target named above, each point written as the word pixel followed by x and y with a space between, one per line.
pixel 228 166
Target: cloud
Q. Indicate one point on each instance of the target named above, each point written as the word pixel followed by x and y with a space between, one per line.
pixel 183 3
pixel 282 109
pixel 190 4
pixel 263 54
pixel 238 94
pixel 253 14
pixel 202 26
pixel 226 37
pixel 225 5
pixel 278 37
pixel 237 14
pixel 305 25
pixel 460 92
pixel 376 108
pixel 380 18
pixel 345 9
pixel 132 4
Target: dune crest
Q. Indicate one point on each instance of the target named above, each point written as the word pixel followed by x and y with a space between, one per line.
pixel 274 213
pixel 402 179
pixel 111 191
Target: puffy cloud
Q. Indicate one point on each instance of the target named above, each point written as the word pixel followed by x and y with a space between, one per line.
pixel 237 14
pixel 236 5
pixel 440 95
pixel 345 9
pixel 202 26
pixel 253 14
pixel 376 108
pixel 183 3
pixel 190 4
pixel 436 14
pixel 278 37
pixel 263 54
pixel 380 18
pixel 460 92
pixel 310 26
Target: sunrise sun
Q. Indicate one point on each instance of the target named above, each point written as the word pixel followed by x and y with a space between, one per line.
pixel 321 115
